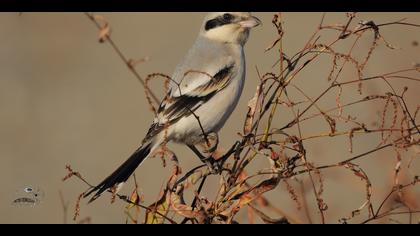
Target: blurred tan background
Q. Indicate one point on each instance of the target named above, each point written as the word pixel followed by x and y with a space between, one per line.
pixel 67 99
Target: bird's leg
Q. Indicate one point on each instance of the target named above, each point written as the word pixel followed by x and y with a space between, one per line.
pixel 209 161
pixel 210 143
pixel 210 146
pixel 198 153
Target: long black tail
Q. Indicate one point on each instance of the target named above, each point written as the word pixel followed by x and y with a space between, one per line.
pixel 122 173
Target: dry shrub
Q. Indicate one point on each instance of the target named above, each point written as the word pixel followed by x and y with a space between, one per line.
pixel 284 144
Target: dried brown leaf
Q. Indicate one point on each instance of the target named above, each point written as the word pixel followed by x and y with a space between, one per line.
pixel 105 29
pixel 256 191
pixel 161 206
pixel 134 200
pixel 267 219
pixel 252 107
pixel 178 205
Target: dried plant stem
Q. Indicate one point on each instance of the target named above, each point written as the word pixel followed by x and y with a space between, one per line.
pixel 285 144
pixel 123 58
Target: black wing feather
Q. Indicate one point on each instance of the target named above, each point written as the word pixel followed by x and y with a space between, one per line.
pixel 184 105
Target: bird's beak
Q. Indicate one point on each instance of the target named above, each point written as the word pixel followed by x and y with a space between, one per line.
pixel 250 22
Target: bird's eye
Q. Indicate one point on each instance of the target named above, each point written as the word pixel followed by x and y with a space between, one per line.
pixel 228 17
pixel 28 189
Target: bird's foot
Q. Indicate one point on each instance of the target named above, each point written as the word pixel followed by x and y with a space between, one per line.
pixel 210 143
pixel 213 165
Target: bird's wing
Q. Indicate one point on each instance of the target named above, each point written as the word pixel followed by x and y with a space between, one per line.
pixel 194 88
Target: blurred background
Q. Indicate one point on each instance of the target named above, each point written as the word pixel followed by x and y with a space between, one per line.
pixel 67 99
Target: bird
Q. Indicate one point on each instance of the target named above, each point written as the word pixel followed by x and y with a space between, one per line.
pixel 205 89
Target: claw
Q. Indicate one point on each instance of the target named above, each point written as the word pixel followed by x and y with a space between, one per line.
pixel 213 139
pixel 214 166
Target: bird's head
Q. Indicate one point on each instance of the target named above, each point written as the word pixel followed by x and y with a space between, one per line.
pixel 229 27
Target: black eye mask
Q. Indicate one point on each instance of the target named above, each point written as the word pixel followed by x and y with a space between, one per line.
pixel 219 21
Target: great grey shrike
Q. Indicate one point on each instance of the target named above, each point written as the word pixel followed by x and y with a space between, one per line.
pixel 205 89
